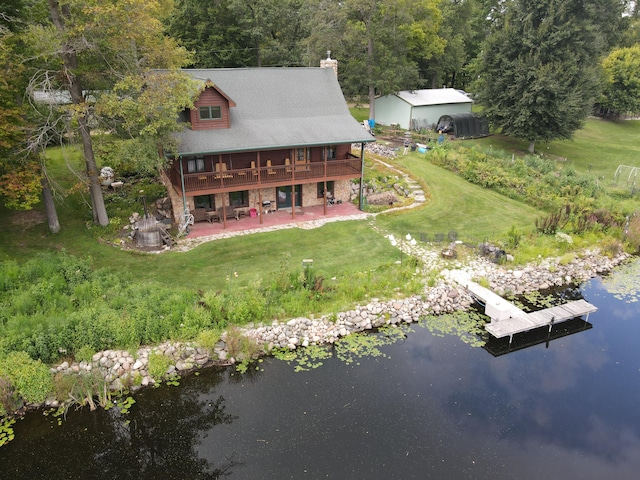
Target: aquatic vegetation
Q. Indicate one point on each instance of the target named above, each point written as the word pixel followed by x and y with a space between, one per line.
pixel 469 326
pixel 125 404
pixel 348 349
pixel 534 300
pixel 624 282
pixel 173 380
pixel 6 431
pixel 357 345
pixel 305 358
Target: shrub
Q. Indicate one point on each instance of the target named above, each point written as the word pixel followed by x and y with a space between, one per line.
pixel 567 258
pixel 30 378
pixel 158 365
pixel 550 224
pixel 84 354
pixel 513 237
pixel 194 320
pixel 632 232
pixel 240 347
pixel 82 389
pixel 208 339
pixel 611 247
pixel 9 400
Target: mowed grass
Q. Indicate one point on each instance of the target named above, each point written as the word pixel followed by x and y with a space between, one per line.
pixel 600 147
pixel 339 249
pixel 456 205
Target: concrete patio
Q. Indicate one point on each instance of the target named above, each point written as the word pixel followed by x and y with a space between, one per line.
pixel 305 217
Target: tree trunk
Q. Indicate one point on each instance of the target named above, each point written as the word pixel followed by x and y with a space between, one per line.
pixel 74 86
pixel 97 200
pixel 49 206
pixel 532 145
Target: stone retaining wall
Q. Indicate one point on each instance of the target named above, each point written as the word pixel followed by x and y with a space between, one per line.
pixel 120 367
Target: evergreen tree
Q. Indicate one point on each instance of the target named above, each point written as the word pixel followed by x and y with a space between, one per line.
pixel 539 70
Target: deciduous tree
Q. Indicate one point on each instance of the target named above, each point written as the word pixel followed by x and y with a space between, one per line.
pixel 378 43
pixel 622 80
pixel 462 44
pixel 88 46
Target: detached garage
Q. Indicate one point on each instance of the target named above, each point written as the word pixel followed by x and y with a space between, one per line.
pixel 418 109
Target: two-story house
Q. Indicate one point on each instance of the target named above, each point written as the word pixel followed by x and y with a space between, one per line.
pixel 266 138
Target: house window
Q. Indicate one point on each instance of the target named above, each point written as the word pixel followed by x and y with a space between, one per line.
pixel 330 152
pixel 300 154
pixel 204 201
pixel 320 189
pixel 195 165
pixel 210 113
pixel 239 199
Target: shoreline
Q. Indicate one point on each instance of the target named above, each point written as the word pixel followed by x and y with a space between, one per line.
pixel 124 371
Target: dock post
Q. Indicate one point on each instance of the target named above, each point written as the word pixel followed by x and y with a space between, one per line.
pixel 549 332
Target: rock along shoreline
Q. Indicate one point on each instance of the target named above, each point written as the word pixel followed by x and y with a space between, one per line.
pixel 123 370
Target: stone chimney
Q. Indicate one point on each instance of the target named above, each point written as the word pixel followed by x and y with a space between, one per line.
pixel 329 63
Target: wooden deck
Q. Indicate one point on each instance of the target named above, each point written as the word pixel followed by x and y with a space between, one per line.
pixel 507 319
pixel 204 183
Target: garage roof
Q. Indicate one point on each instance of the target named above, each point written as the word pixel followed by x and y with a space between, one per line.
pixel 433 96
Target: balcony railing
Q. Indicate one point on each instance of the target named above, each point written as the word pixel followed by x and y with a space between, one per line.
pixel 249 178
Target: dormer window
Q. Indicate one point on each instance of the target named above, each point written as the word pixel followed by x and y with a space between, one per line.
pixel 210 113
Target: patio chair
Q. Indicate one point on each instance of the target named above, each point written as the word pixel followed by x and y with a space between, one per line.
pixel 200 215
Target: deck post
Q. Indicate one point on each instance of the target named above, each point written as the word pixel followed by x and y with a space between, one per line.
pixel 360 200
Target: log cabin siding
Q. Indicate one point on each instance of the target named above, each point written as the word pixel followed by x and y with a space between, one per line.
pixel 210 98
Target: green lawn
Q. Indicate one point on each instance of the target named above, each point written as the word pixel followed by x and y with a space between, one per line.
pixel 338 249
pixel 335 248
pixel 455 204
pixel 598 148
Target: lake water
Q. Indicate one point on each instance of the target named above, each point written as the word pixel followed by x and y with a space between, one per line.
pixel 432 407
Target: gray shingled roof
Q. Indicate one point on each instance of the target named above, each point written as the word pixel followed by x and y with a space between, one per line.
pixel 276 108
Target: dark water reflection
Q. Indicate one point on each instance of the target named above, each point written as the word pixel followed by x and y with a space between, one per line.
pixel 433 408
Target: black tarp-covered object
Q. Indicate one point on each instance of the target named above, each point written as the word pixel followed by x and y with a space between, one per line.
pixel 463 125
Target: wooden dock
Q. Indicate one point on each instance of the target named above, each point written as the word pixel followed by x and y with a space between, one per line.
pixel 547 317
pixel 507 319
